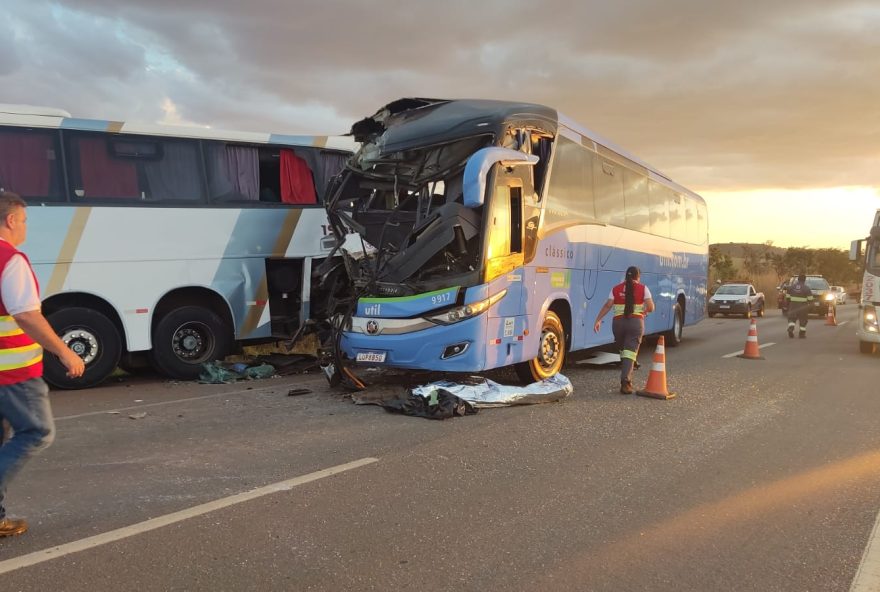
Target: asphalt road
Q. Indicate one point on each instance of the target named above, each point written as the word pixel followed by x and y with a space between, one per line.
pixel 760 475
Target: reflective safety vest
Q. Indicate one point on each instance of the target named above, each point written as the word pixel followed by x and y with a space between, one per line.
pixel 799 294
pixel 619 294
pixel 21 358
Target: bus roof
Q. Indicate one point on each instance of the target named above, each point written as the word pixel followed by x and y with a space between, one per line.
pixel 48 117
pixel 440 120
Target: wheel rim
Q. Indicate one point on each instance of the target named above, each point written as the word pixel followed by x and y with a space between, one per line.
pixel 192 342
pixel 551 350
pixel 83 343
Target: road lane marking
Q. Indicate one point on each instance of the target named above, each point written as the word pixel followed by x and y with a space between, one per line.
pixel 842 323
pixel 734 354
pixel 868 575
pixel 157 404
pixel 154 523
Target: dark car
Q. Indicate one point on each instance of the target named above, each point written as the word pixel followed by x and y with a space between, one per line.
pixel 823 296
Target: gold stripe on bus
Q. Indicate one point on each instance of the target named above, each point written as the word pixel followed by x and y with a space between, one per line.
pixel 320 142
pixel 252 318
pixel 36 360
pixel 68 250
pixel 115 127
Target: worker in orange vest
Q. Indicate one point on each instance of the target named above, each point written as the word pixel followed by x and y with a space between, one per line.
pixel 24 332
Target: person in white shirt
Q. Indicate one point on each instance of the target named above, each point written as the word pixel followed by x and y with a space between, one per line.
pixel 24 333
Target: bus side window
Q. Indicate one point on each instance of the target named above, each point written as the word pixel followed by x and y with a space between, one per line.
pixel 121 167
pixel 233 172
pixel 297 184
pixel 29 164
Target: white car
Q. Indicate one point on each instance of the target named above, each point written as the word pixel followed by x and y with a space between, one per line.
pixel 839 294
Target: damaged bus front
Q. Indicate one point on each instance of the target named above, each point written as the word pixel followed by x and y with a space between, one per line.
pixel 455 259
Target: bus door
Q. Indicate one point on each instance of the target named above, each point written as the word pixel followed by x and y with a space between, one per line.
pixel 509 235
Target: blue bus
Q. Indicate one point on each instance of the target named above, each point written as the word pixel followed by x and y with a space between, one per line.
pixel 478 234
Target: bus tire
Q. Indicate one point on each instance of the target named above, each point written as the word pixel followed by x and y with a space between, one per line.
pixel 186 338
pixel 91 335
pixel 866 347
pixel 673 337
pixel 551 355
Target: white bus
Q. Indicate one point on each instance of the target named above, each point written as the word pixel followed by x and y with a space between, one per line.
pixel 867 325
pixel 167 240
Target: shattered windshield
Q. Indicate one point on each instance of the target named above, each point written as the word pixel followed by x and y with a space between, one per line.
pixel 408 211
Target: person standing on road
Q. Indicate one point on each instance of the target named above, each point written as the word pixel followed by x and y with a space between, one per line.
pixel 800 298
pixel 24 332
pixel 631 301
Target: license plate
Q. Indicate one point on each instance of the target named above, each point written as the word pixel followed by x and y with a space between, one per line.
pixel 724 306
pixel 369 356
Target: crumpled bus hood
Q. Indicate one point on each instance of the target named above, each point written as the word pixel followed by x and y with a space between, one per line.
pixel 402 192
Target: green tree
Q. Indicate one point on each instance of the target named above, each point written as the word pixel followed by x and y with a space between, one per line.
pixel 721 264
pixel 798 260
pixel 754 261
pixel 835 266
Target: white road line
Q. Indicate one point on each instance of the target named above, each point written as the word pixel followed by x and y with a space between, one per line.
pixel 154 523
pixel 214 396
pixel 734 354
pixel 842 323
pixel 868 575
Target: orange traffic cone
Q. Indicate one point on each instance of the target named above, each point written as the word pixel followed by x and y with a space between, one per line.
pixel 656 386
pixel 830 319
pixel 751 351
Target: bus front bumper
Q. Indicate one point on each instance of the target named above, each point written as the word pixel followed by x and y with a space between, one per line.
pixel 458 347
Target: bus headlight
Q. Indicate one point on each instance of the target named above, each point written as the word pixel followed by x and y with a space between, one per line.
pixel 869 319
pixel 461 313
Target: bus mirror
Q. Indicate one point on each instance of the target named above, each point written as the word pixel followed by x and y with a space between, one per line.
pixel 855 250
pixel 478 166
pixel 875 233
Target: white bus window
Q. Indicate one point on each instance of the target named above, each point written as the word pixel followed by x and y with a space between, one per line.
pixel 702 223
pixel 570 191
pixel 29 164
pixel 635 188
pixel 659 196
pixel 131 168
pixel 678 217
pixel 691 223
pixel 608 188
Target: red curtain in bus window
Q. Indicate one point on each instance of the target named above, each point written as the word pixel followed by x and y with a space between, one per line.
pixel 24 163
pixel 297 185
pixel 103 175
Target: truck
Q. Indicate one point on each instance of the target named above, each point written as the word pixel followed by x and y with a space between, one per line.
pixel 867 251
pixel 736 298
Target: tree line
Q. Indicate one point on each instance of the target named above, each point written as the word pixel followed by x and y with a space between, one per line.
pixel 759 260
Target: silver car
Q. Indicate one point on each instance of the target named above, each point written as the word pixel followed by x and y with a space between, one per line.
pixel 839 294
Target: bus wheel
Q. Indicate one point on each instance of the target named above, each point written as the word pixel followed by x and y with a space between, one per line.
pixel 673 337
pixel 93 337
pixel 866 347
pixel 551 353
pixel 187 337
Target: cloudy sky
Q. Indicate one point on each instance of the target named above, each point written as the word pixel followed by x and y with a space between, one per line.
pixel 770 108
